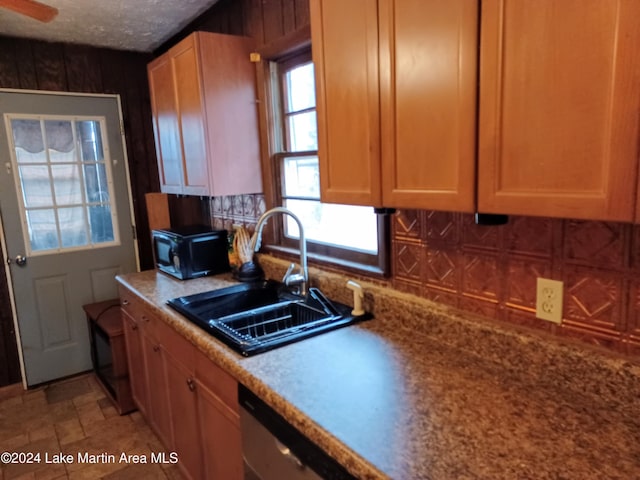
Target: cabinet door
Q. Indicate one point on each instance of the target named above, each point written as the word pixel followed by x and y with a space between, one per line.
pixel 559 102
pixel 135 357
pixel 165 124
pixel 428 72
pixel 184 416
pixel 345 55
pixel 158 409
pixel 191 119
pixel 638 200
pixel 220 436
pixel 232 113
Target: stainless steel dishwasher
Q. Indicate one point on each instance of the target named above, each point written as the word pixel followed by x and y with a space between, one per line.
pixel 274 450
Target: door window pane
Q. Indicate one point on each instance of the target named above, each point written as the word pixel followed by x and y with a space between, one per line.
pixel 42 229
pixel 90 139
pixel 72 226
pixel 28 141
pixel 95 178
pixel 67 184
pixel 66 187
pixel 101 226
pixel 60 141
pixel 36 191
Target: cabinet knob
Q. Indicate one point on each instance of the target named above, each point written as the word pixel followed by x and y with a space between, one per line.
pixel 134 327
pixel 125 302
pixel 145 318
pixel 156 348
pixel 191 384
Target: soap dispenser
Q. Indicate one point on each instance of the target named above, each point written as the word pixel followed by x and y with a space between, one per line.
pixel 358 295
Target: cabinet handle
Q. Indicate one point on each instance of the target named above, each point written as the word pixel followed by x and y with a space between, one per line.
pixel 134 327
pixel 191 384
pixel 145 318
pixel 125 302
pixel 156 348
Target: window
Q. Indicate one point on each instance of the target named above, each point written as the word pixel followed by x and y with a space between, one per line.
pixel 64 182
pixel 347 234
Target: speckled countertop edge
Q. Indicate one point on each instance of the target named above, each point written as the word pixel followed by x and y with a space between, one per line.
pixel 611 381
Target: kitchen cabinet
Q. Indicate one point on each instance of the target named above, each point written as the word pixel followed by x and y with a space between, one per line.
pixel 218 409
pixel 559 94
pixel 396 86
pixel 157 389
pixel 203 102
pixel 135 361
pixel 147 370
pixel 428 64
pixel 189 401
pixel 559 103
pixel 178 360
pixel 344 40
pixel 135 356
pixel 638 200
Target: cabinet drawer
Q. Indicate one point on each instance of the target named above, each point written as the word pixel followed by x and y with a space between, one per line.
pixel 219 382
pixel 132 304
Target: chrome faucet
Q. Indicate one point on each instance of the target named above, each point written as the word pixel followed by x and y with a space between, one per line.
pixel 301 277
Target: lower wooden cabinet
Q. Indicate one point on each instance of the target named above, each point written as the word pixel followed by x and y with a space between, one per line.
pixel 218 409
pixel 135 359
pixel 188 401
pixel 158 404
pixel 221 442
pixel 184 413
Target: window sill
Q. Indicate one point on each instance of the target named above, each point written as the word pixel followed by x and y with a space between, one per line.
pixel 338 264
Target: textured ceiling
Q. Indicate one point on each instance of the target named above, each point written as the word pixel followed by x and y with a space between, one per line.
pixel 140 25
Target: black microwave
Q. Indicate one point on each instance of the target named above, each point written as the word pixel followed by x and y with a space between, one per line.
pixel 191 251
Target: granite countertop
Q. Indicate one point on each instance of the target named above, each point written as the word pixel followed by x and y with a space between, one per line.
pixel 389 403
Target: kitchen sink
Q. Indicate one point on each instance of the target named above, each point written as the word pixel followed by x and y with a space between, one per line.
pixel 256 317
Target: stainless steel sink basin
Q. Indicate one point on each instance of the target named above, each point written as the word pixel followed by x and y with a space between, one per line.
pixel 255 317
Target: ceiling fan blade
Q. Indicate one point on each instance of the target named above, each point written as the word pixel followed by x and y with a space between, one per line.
pixel 31 8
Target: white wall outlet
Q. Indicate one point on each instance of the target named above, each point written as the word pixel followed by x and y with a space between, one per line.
pixel 549 300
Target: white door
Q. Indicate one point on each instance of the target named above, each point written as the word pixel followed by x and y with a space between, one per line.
pixel 66 217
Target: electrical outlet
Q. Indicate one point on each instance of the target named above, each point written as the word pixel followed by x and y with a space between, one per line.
pixel 549 300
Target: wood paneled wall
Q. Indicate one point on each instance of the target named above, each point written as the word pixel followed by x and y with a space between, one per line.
pixel 265 20
pixel 36 65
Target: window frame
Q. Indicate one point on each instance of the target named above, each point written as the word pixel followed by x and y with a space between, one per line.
pixel 376 265
pixel 85 202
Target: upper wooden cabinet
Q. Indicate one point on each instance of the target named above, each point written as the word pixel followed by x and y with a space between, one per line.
pixel 396 83
pixel 428 65
pixel 559 108
pixel 205 121
pixel 344 40
pixel 558 125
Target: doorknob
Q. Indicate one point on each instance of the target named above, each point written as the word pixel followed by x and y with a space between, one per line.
pixel 21 260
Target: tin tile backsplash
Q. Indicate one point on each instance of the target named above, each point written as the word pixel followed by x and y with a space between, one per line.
pixel 492 271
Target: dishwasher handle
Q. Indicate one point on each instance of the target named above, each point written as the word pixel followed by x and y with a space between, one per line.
pixel 288 454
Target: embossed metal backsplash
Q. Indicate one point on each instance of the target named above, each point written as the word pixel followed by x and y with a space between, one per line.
pixel 241 210
pixel 492 271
